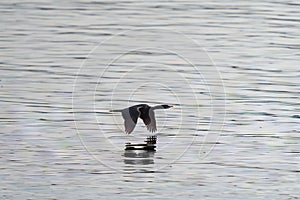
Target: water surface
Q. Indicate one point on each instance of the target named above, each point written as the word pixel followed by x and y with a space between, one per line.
pixel 58 83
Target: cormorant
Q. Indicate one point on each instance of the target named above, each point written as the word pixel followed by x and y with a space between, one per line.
pixel 143 111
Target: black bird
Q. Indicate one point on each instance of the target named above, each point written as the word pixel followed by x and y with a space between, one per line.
pixel 143 111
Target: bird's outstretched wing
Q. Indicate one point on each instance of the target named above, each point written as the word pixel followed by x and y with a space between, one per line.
pixel 130 116
pixel 152 125
pixel 145 114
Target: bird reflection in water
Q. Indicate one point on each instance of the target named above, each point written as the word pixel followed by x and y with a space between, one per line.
pixel 139 157
pixel 140 154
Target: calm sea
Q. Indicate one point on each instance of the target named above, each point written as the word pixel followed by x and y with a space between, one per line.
pixel 230 68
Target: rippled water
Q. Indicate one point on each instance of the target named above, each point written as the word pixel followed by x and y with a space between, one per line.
pixel 64 65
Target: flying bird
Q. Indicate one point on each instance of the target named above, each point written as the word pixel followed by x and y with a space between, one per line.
pixel 143 111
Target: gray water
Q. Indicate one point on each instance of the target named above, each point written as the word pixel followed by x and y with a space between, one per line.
pixel 230 68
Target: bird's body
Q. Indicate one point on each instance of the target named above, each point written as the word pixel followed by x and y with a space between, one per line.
pixel 143 111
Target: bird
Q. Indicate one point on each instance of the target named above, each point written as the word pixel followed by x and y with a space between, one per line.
pixel 143 111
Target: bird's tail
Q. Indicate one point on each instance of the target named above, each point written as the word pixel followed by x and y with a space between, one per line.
pixel 115 110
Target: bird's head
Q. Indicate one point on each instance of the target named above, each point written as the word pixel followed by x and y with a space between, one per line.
pixel 166 106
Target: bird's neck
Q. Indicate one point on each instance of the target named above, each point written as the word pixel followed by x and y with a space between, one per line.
pixel 157 107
